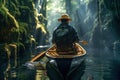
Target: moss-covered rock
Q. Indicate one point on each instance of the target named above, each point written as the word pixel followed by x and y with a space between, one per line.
pixel 9 26
pixel 19 20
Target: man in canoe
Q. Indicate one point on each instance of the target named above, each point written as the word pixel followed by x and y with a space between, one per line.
pixel 64 36
pixel 60 65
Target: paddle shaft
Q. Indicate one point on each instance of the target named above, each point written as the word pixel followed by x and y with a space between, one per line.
pixel 40 55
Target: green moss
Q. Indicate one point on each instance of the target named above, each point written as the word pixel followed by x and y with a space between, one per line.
pixel 19 44
pixel 25 12
pixel 7 20
pixel 3 15
pixel 2 2
pixel 23 27
pixel 3 55
pixel 9 26
pixel 13 9
pixel 24 32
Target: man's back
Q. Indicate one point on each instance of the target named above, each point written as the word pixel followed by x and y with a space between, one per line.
pixel 64 35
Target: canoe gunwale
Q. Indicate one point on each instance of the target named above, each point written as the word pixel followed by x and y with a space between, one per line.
pixel 53 54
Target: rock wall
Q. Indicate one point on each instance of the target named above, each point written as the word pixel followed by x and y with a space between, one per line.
pixel 22 27
pixel 97 21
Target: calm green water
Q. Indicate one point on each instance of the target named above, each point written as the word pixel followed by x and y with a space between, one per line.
pixel 100 65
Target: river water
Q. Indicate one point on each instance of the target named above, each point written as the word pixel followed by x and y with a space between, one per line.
pixel 100 64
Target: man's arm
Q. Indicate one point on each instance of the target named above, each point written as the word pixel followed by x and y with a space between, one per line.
pixel 53 37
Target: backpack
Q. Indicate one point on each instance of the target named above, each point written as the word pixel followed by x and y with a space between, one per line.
pixel 64 39
pixel 61 35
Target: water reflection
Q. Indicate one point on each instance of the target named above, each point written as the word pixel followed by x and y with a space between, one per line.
pixel 41 75
pixel 100 64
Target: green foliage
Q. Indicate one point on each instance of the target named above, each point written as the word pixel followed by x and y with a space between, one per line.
pixel 19 44
pixel 7 20
pixel 25 12
pixel 8 26
pixel 13 9
pixel 23 28
pixel 2 2
pixel 3 16
pixel 3 55
pixel 24 7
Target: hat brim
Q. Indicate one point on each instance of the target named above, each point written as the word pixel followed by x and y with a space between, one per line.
pixel 69 19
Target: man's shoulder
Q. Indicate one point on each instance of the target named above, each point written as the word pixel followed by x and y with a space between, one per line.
pixel 71 27
pixel 64 26
pixel 55 28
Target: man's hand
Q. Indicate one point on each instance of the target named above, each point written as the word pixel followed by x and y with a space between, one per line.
pixel 84 42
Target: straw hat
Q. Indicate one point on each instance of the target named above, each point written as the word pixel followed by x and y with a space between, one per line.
pixel 64 16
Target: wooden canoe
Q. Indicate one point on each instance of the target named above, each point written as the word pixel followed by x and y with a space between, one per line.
pixel 53 54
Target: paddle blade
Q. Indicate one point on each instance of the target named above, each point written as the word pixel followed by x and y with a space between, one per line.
pixel 84 42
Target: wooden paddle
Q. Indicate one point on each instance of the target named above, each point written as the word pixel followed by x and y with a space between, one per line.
pixel 41 54
pixel 84 42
